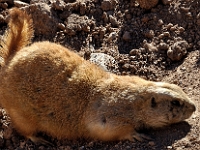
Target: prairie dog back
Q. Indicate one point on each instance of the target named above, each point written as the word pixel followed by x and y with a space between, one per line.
pixel 47 88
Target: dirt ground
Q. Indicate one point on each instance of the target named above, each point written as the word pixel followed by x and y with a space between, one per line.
pixel 159 44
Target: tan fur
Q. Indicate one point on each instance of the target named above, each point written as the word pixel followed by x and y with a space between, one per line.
pixel 18 35
pixel 47 88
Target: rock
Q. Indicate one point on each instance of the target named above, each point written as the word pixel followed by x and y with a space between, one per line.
pixel 163 46
pixel 61 26
pixel 7 1
pixel 107 5
pixel 82 8
pixel 147 4
pixel 2 19
pixel 177 50
pixel 76 23
pixel 133 52
pixel 105 61
pixel 167 2
pixel 58 5
pixel 105 17
pixel 149 34
pixel 198 19
pixel 112 36
pixel 150 47
pixel 113 21
pixel 20 4
pixel 3 5
pixel 43 19
pixel 127 36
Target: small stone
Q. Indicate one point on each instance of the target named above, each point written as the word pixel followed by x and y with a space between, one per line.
pixel 133 52
pixel 147 4
pixel 112 36
pixel 107 62
pixel 150 46
pixel 189 15
pixel 20 4
pixel 61 26
pixel 4 5
pixel 82 8
pixel 151 143
pixel 105 17
pixel 163 46
pixel 181 29
pixel 82 148
pixel 173 28
pixel 185 9
pixel 150 34
pixel 166 2
pixel 58 5
pixel 166 34
pixel 2 19
pixel 113 21
pixel 169 147
pixel 128 16
pixel 106 5
pixel 126 66
pixel 169 25
pixel 126 36
pixel 177 50
pixel 160 22
pixel 133 57
pixel 198 43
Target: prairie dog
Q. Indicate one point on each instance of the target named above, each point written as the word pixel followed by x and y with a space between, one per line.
pixel 45 87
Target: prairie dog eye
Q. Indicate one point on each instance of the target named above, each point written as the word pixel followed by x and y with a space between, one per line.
pixel 153 102
pixel 175 103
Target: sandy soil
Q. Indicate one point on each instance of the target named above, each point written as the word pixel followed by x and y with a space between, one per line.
pixel 159 44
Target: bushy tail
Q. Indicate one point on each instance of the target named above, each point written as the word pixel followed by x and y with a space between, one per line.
pixel 18 35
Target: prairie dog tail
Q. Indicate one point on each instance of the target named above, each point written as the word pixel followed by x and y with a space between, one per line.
pixel 18 35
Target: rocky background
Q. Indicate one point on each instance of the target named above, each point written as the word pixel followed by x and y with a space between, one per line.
pixel 157 40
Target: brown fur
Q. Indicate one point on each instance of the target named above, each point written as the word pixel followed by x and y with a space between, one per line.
pixel 47 88
pixel 18 35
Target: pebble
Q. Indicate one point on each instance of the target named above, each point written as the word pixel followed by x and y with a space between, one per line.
pixel 107 62
pixel 4 5
pixel 133 52
pixel 113 21
pixel 126 36
pixel 160 22
pixel 106 5
pixel 20 4
pixel 151 143
pixel 166 34
pixel 169 147
pixel 163 46
pixel 112 36
pixel 166 2
pixel 126 66
pixel 61 26
pixel 82 8
pixel 177 50
pixel 58 5
pixel 150 34
pixel 2 19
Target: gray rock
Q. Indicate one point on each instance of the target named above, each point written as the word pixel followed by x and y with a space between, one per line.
pixel 105 61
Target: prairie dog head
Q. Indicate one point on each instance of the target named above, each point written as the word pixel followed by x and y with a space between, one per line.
pixel 164 104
